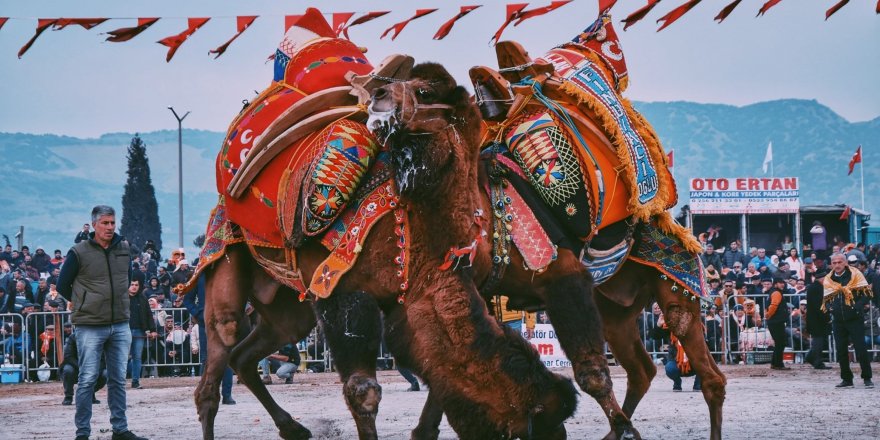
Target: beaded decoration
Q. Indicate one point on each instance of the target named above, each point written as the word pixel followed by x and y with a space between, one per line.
pixel 401 229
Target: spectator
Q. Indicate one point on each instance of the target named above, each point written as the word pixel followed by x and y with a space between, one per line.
pixel 797 332
pixel 872 326
pixel 70 371
pixel 819 236
pixel 164 280
pixel 285 362
pixel 7 302
pixel 736 323
pixel 154 289
pixel 6 255
pixel 846 293
pixel 761 261
pixel 818 322
pixel 776 259
pixel 710 258
pixel 752 271
pixel 137 274
pixel 677 364
pixel 783 271
pixel 733 255
pixel 787 244
pixel 23 293
pixel 42 292
pixel 53 278
pixel 181 274
pixel 713 329
pixel 715 238
pixel 775 316
pixel 178 350
pixel 794 263
pixel 16 344
pixel 42 262
pixel 82 235
pixel 142 327
pixel 57 261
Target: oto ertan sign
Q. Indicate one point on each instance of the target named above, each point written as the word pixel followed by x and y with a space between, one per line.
pixel 744 195
pixel 545 341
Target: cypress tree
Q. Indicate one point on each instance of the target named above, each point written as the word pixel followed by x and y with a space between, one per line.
pixel 140 211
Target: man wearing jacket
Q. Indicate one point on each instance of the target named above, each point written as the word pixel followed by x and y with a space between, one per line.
pixel 818 322
pixel 95 277
pixel 845 294
pixel 142 327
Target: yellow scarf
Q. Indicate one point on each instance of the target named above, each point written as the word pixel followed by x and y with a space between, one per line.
pixel 857 285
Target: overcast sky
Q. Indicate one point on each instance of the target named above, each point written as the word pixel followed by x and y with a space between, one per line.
pixel 73 83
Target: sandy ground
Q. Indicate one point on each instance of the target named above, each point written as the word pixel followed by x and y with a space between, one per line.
pixel 797 404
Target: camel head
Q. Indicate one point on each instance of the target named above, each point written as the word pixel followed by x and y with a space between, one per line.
pixel 430 126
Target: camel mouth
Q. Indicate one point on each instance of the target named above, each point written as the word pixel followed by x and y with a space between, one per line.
pixel 383 123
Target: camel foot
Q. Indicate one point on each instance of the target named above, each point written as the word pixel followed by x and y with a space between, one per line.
pixel 424 433
pixel 628 433
pixel 294 431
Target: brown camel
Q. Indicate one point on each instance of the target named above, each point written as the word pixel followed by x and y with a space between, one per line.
pixel 564 288
pixel 490 380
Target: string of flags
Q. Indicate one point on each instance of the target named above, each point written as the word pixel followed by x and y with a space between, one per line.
pixel 515 14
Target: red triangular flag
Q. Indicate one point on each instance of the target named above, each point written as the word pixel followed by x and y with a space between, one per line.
pixel 397 27
pixel 856 158
pixel 767 6
pixel 601 38
pixel 339 20
pixel 670 159
pixel 242 23
pixel 835 8
pixel 726 11
pixel 513 12
pixel 127 33
pixel 605 5
pixel 363 19
pixel 42 25
pixel 846 211
pixel 447 27
pixel 173 42
pixel 531 13
pixel 86 23
pixel 3 21
pixel 289 20
pixel 676 13
pixel 633 18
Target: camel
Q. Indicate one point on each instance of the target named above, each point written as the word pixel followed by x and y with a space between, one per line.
pixel 563 287
pixel 491 382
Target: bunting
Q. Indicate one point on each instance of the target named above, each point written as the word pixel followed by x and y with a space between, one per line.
pixel 726 11
pixel 289 21
pixel 531 13
pixel 447 27
pixel 363 19
pixel 513 12
pixel 397 27
pixel 242 24
pixel 835 8
pixel 127 33
pixel 676 13
pixel 42 25
pixel 173 42
pixel 767 6
pixel 633 18
pixel 339 20
pixel 86 23
pixel 3 21
pixel 605 5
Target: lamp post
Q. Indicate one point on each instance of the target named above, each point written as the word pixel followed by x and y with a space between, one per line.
pixel 179 172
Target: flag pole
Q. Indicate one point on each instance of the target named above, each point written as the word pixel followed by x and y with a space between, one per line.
pixel 862 174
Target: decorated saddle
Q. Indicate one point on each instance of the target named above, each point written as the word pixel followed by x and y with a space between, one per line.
pixel 591 158
pixel 298 156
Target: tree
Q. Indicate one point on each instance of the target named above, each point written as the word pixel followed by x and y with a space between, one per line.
pixel 140 212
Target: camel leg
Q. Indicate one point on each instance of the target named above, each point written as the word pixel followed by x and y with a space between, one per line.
pixel 683 318
pixel 352 325
pixel 577 323
pixel 626 346
pixel 285 320
pixel 429 422
pixel 225 293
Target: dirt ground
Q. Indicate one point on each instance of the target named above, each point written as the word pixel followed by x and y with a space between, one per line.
pixel 797 404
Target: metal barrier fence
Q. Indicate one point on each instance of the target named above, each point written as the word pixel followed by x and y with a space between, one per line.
pixel 33 344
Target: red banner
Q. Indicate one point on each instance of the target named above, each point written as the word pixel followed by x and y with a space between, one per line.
pixel 447 27
pixel 339 20
pixel 173 42
pixel 42 25
pixel 127 33
pixel 726 11
pixel 363 19
pixel 3 21
pixel 242 23
pixel 767 6
pixel 513 12
pixel 397 27
pixel 835 8
pixel 676 13
pixel 633 18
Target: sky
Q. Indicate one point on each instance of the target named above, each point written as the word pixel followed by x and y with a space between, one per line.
pixel 72 83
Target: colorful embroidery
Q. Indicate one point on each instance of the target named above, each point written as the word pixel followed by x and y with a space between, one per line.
pixel 536 248
pixel 668 254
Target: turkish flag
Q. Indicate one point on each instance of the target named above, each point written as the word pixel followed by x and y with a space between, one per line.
pixel 846 212
pixel 669 159
pixel 127 33
pixel 339 20
pixel 835 8
pixel 173 42
pixel 856 158
pixel 726 11
pixel 242 23
pixel 446 27
pixel 676 13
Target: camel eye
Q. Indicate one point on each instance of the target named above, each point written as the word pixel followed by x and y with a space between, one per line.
pixel 425 93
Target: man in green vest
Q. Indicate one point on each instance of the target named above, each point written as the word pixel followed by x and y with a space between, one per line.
pixel 95 277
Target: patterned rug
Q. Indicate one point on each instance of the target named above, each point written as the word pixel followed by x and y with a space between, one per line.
pixel 668 254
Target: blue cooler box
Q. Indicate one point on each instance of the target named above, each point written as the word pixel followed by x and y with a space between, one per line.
pixel 10 374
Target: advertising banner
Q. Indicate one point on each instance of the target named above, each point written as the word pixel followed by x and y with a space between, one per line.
pixel 547 344
pixel 744 195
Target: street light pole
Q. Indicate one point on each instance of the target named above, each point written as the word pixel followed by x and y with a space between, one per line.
pixel 179 173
